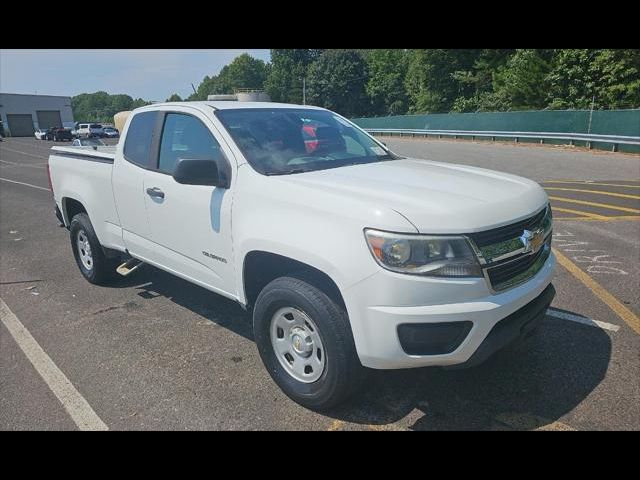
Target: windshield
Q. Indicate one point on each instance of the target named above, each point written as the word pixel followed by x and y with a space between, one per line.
pixel 281 141
pixel 95 125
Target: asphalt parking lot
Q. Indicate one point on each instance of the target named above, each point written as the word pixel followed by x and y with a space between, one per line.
pixel 155 352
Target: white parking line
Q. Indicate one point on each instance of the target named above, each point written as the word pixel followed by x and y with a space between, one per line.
pixel 39 146
pixel 25 184
pixel 72 401
pixel 30 165
pixel 23 153
pixel 584 320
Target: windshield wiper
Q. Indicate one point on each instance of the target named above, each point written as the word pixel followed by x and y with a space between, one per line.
pixel 288 172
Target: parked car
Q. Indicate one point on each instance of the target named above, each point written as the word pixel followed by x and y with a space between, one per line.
pixel 88 142
pixel 88 130
pixel 348 256
pixel 58 134
pixel 41 133
pixel 110 132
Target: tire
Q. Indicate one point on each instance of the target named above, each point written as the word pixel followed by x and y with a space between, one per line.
pixel 341 374
pixel 100 269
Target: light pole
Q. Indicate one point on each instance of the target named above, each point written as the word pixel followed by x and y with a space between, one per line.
pixel 304 91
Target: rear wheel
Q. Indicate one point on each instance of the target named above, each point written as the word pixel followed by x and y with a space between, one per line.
pixel 89 254
pixel 305 341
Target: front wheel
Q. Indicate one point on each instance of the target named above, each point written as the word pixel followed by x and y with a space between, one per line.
pixel 305 342
pixel 89 255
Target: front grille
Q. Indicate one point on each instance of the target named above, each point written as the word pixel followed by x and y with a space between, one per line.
pixel 508 232
pixel 515 272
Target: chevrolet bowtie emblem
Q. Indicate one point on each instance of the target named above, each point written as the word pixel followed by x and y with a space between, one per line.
pixel 531 241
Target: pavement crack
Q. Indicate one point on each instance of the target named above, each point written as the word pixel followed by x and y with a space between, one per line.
pixel 128 306
pixel 20 281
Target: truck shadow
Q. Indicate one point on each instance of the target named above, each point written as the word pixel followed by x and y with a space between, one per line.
pixel 151 282
pixel 525 387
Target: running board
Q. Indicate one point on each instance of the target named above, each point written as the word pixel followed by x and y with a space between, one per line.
pixel 129 266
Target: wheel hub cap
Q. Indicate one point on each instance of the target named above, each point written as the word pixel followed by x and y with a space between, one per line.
pixel 84 250
pixel 301 342
pixel 297 344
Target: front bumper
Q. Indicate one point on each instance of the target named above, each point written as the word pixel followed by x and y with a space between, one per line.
pixel 378 305
pixel 518 325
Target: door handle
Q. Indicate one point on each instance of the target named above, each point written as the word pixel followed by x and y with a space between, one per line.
pixel 155 192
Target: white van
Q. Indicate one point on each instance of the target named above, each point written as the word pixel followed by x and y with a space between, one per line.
pixel 87 130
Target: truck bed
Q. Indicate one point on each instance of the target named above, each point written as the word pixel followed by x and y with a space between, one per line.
pixel 106 153
pixel 82 174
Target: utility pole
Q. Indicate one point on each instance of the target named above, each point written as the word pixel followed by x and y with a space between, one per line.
pixel 194 89
pixel 593 99
pixel 304 91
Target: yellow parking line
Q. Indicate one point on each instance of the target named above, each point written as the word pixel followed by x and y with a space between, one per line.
pixel 595 183
pixel 335 425
pixel 616 218
pixel 594 204
pixel 595 216
pixel 599 291
pixel 597 192
pixel 624 217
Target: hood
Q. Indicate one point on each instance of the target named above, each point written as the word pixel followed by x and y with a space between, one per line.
pixel 435 197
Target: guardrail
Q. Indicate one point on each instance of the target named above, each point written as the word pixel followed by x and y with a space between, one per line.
pixel 614 140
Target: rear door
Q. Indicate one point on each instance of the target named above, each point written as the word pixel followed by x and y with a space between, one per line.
pixel 191 224
pixel 128 183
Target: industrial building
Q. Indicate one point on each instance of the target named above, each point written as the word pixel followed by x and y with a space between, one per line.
pixel 22 114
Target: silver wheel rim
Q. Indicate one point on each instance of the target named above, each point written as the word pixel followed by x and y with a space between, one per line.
pixel 297 345
pixel 84 250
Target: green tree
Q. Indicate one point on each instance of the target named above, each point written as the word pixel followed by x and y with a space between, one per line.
pixel 387 71
pixel 522 81
pixel 206 87
pixel 482 102
pixel 571 81
pixel 487 63
pixel 436 77
pixel 101 107
pixel 337 81
pixel 243 72
pixel 288 68
pixel 174 98
pixel 611 76
pixel 619 75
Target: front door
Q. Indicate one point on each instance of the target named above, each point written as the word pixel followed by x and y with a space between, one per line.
pixel 190 225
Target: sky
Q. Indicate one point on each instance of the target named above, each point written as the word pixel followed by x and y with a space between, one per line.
pixel 149 74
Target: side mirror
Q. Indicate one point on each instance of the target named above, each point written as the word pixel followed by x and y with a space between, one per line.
pixel 192 171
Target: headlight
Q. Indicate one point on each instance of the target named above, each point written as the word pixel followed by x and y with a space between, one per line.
pixel 423 254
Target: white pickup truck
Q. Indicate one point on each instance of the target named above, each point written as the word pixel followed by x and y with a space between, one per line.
pixel 347 255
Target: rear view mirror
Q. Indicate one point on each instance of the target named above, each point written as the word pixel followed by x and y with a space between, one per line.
pixel 191 171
